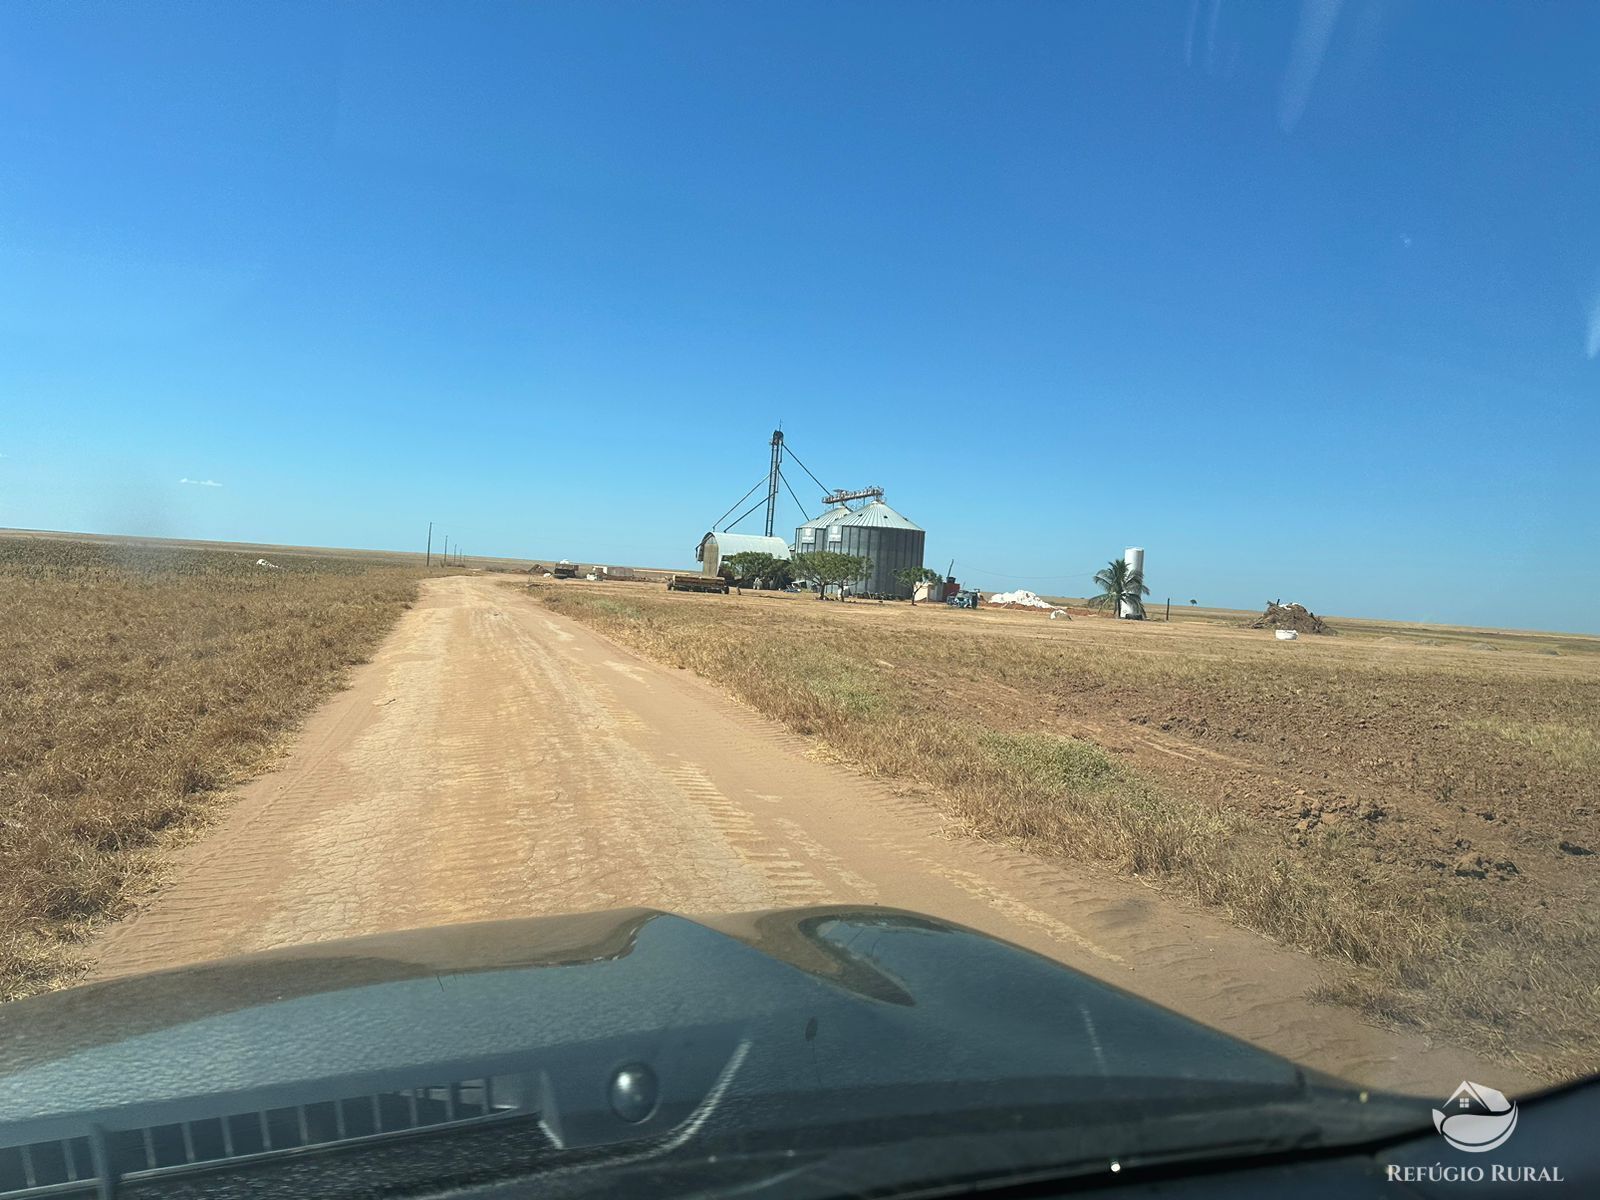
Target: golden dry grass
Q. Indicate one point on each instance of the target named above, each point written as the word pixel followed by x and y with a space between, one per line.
pixel 135 683
pixel 1340 796
pixel 1574 746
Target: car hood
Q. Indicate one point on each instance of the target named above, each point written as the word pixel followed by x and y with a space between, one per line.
pixel 879 1012
pixel 479 989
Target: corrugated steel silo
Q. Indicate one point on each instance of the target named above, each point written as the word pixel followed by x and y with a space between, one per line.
pixel 891 541
pixel 813 535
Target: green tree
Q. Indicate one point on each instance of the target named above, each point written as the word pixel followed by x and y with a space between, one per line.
pixel 909 577
pixel 829 568
pixel 748 566
pixel 1118 586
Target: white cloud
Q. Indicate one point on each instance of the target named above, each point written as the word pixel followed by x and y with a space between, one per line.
pixel 1592 344
pixel 1311 38
pixel 200 482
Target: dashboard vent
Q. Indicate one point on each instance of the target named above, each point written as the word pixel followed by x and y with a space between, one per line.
pixel 87 1164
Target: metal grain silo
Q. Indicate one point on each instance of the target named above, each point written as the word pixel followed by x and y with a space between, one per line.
pixel 877 532
pixel 814 534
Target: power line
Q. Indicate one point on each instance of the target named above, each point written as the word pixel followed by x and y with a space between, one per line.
pixel 1003 575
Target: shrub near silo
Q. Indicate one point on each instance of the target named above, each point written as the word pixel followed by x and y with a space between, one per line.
pixel 829 568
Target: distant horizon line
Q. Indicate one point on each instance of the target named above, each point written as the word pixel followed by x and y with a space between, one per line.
pixel 292 546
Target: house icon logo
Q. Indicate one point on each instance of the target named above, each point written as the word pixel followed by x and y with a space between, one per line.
pixel 1476 1118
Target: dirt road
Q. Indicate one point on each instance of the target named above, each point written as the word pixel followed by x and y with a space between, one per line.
pixel 496 760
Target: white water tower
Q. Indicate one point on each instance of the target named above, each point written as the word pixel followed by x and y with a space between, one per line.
pixel 1133 556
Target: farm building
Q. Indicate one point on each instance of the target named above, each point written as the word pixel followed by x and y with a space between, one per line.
pixel 874 531
pixel 715 547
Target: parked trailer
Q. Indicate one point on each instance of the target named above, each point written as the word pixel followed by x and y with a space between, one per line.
pixel 697 583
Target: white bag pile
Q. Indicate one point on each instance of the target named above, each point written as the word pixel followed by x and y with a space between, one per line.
pixel 1022 597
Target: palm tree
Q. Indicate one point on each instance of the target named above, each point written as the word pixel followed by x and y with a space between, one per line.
pixel 1118 586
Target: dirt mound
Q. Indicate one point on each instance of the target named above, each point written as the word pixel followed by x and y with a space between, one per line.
pixel 1290 616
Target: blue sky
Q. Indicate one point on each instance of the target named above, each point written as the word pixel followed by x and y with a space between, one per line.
pixel 1305 299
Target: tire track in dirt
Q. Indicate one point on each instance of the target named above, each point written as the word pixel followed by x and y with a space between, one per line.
pixel 496 760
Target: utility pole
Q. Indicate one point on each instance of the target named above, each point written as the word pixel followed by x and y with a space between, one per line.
pixel 430 545
pixel 1169 608
pixel 447 549
pixel 772 478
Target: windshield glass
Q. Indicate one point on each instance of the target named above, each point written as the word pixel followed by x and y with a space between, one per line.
pixel 1108 482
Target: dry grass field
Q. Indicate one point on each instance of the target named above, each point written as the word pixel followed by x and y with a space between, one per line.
pixel 1415 805
pixel 135 682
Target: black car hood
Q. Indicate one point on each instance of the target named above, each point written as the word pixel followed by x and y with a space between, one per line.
pixel 896 1013
pixel 464 991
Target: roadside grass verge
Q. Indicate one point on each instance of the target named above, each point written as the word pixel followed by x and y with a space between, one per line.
pixel 941 711
pixel 135 685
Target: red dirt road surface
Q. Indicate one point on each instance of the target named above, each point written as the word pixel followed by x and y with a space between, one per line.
pixel 497 760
